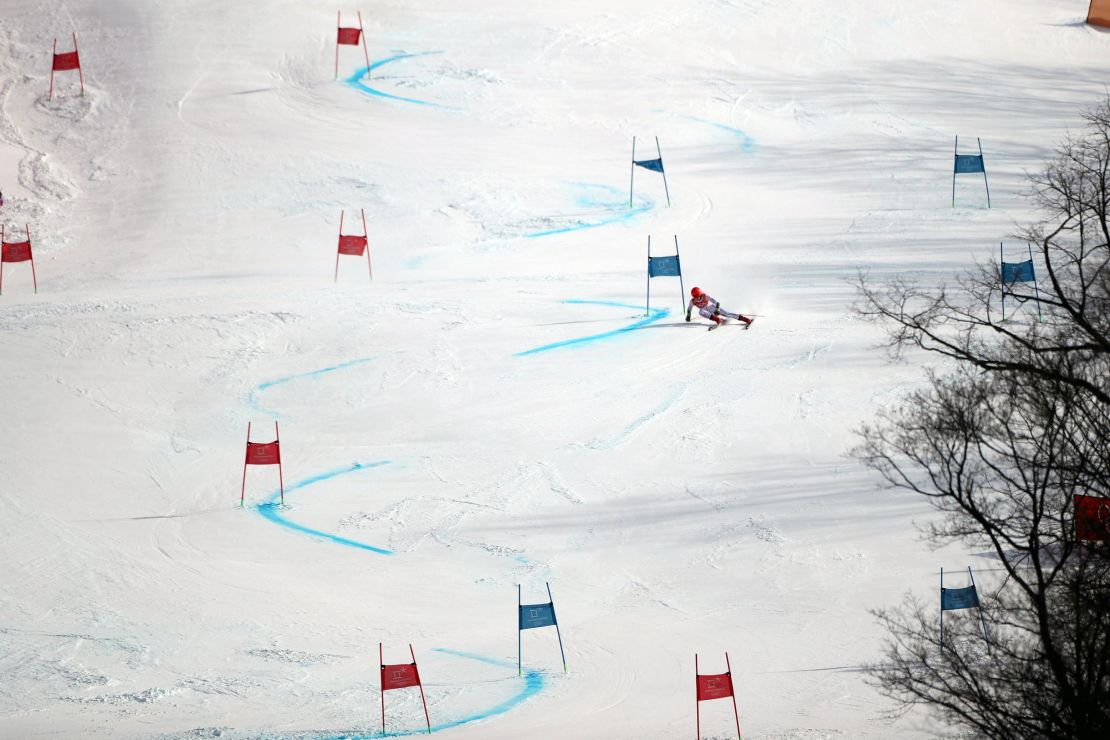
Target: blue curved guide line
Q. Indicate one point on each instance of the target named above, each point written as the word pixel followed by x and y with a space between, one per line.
pixel 253 400
pixel 533 683
pixel 747 143
pixel 655 315
pixel 356 80
pixel 615 204
pixel 272 510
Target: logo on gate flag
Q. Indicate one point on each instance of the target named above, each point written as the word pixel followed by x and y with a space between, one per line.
pixel 966 163
pixel 667 266
pixel 537 615
pixel 16 251
pixel 263 453
pixel 718 686
pixel 351 244
pixel 1018 272
pixel 399 676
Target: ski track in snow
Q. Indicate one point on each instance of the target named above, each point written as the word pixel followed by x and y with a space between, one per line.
pixel 654 315
pixel 356 80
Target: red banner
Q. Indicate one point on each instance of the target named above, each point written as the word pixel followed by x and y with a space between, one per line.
pixel 69 60
pixel 1092 518
pixel 718 686
pixel 263 453
pixel 349 36
pixel 400 676
pixel 15 252
pixel 355 245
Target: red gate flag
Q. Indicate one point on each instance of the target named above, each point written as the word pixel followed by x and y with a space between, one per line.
pixel 401 676
pixel 263 453
pixel 353 245
pixel 66 61
pixel 714 686
pixel 1092 518
pixel 16 252
pixel 350 37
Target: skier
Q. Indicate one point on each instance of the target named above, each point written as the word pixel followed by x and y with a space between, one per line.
pixel 709 308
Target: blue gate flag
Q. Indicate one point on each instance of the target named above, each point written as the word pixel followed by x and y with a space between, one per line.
pixel 531 616
pixel 969 163
pixel 655 165
pixel 1018 272
pixel 958 598
pixel 537 615
pixel 667 266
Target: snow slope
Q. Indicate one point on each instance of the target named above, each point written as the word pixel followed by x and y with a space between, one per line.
pixel 494 408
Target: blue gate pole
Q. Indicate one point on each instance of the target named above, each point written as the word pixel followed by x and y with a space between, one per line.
pixel 557 630
pixel 942 609
pixel 1002 276
pixel 982 620
pixel 681 286
pixel 955 156
pixel 983 162
pixel 519 670
pixel 647 305
pixel 632 175
pixel 662 171
pixel 1036 290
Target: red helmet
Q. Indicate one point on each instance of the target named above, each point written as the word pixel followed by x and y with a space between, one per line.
pixel 695 292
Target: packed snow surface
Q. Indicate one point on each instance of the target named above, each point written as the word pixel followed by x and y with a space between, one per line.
pixel 497 407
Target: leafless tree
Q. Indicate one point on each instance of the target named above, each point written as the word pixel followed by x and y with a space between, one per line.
pixel 1000 442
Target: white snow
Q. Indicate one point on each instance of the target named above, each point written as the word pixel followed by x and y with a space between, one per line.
pixel 681 491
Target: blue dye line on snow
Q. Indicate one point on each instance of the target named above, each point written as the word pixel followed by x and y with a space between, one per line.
pixel 356 80
pixel 616 205
pixel 747 143
pixel 533 684
pixel 654 315
pixel 272 510
pixel 299 376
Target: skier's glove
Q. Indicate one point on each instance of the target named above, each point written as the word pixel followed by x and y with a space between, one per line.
pixel 687 316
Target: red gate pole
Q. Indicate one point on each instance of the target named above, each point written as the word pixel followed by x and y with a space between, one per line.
pixel 1 259
pixel 52 68
pixel 32 251
pixel 381 672
pixel 732 688
pixel 340 238
pixel 243 490
pixel 697 698
pixel 362 33
pixel 421 685
pixel 80 74
pixel 338 25
pixel 366 236
pixel 281 479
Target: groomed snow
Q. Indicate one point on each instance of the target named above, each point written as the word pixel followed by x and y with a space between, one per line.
pixel 494 408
